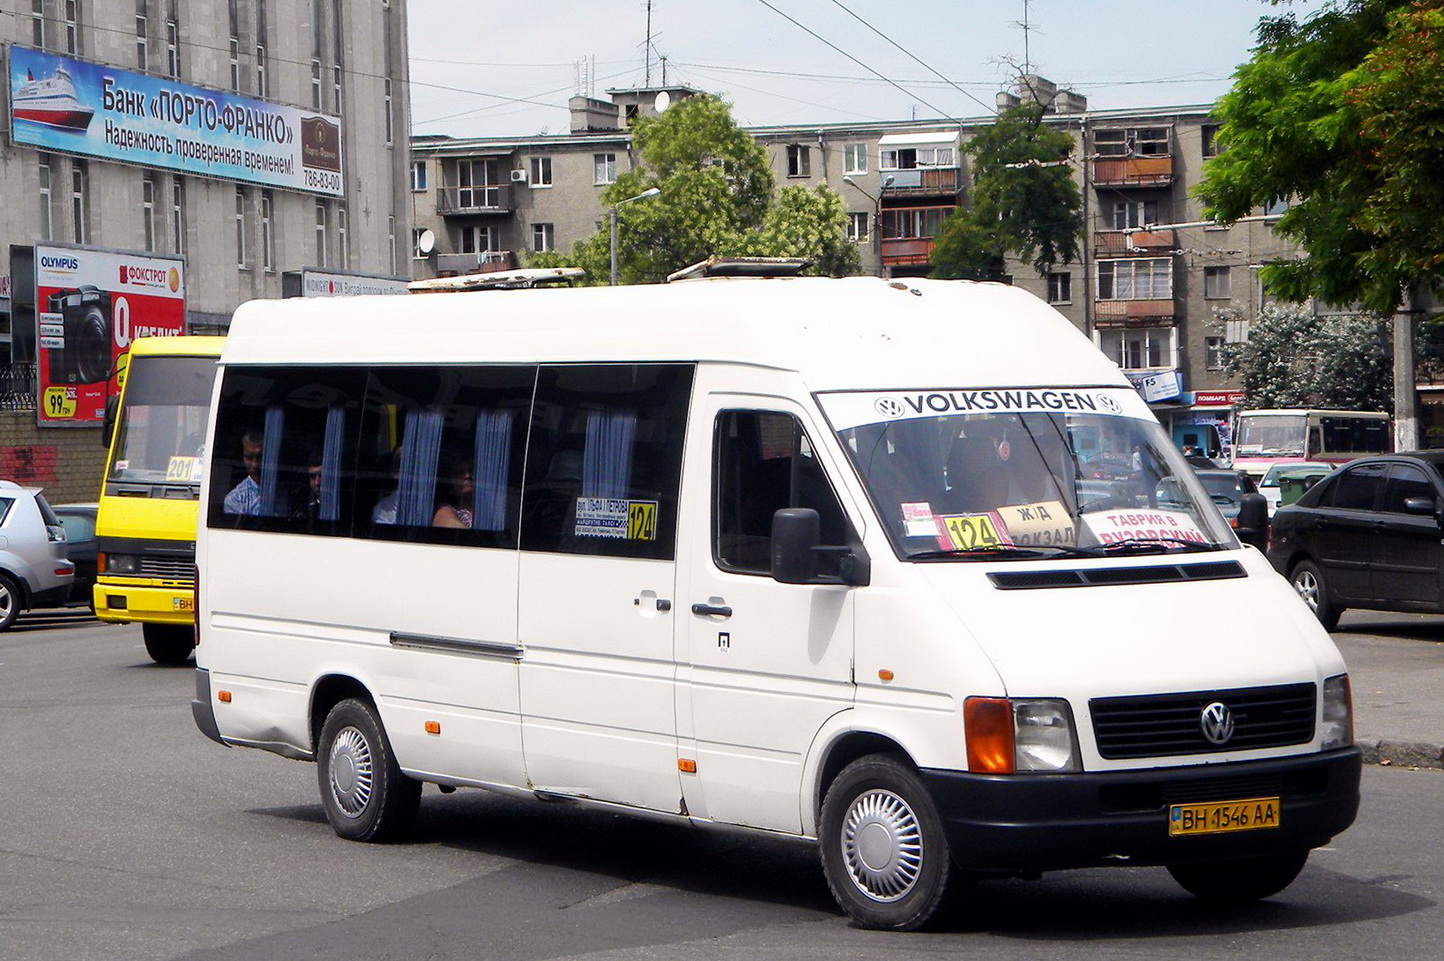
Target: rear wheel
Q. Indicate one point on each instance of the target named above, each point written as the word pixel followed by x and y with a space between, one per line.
pixel 169 643
pixel 883 849
pixel 1242 880
pixel 365 795
pixel 1308 581
pixel 10 601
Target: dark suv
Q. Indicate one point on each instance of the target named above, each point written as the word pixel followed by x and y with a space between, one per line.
pixel 1368 536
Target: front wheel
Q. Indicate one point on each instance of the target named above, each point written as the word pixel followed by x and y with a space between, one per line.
pixel 883 849
pixel 169 643
pixel 1242 880
pixel 10 601
pixel 365 795
pixel 1309 582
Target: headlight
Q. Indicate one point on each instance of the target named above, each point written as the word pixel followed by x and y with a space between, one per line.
pixel 1043 737
pixel 1338 717
pixel 121 563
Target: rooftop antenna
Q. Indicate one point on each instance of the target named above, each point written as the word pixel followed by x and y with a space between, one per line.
pixel 647 55
pixel 1027 29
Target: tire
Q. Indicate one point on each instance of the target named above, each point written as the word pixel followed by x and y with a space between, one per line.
pixel 365 795
pixel 169 644
pixel 11 600
pixel 1239 881
pixel 883 850
pixel 1309 582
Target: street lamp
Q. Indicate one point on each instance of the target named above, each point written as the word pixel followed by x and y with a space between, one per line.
pixel 641 196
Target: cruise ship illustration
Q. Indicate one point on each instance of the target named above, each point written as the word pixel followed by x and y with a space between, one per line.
pixel 51 101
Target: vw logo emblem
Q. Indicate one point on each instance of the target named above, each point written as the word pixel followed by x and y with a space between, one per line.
pixel 888 407
pixel 1216 721
pixel 1110 403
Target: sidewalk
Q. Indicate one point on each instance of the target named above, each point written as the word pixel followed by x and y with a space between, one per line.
pixel 1396 670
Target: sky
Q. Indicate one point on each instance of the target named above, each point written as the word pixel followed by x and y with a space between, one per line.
pixel 483 68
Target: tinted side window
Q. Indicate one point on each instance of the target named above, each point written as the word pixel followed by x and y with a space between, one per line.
pixel 286 449
pixel 1405 481
pixel 5 504
pixel 763 463
pixel 1357 488
pixel 605 459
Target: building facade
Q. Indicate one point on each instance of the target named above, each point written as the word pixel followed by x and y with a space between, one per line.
pixel 242 141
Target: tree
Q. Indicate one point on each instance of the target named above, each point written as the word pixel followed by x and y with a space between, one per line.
pixel 1024 200
pixel 1294 359
pixel 718 198
pixel 1339 116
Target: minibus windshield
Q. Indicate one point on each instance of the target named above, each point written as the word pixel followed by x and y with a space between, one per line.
pixel 1017 474
pixel 162 422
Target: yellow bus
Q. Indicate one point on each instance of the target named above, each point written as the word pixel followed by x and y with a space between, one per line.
pixel 146 526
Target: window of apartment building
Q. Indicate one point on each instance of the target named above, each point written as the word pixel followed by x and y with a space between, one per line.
pixel 37 23
pixel 1217 283
pixel 1213 353
pixel 322 228
pixel 79 208
pixel 478 240
pixel 172 41
pixel 1131 214
pixel 416 252
pixel 1135 141
pixel 854 158
pixel 909 158
pixel 45 198
pixel 142 36
pixel 543 237
pixel 315 84
pixel 338 63
pixel 1150 279
pixel 178 215
pixel 799 160
pixel 70 10
pixel 234 21
pixel 418 175
pixel 1138 348
pixel 912 222
pixel 857 227
pixel 316 54
pixel 343 236
pixel 240 227
pixel 263 87
pixel 391 241
pixel 147 210
pixel 1209 135
pixel 268 231
pixel 1060 287
pixel 604 168
pixel 541 171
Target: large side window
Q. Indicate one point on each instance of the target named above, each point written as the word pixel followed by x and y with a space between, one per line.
pixel 764 462
pixel 605 459
pixel 1358 488
pixel 441 454
pixel 1405 481
pixel 286 449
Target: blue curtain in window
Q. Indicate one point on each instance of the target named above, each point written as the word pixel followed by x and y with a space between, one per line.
pixel 490 470
pixel 420 453
pixel 607 460
pixel 331 464
pixel 271 462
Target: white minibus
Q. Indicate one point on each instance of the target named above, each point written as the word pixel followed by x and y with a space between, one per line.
pixel 894 567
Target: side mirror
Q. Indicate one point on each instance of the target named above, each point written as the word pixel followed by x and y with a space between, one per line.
pixel 797 551
pixel 108 429
pixel 1253 520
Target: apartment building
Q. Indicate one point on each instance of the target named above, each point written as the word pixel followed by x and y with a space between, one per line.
pixel 236 146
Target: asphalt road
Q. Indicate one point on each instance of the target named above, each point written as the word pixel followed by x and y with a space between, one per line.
pixel 127 836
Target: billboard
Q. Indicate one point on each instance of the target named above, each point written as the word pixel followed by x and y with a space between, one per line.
pixel 330 283
pixel 74 106
pixel 89 306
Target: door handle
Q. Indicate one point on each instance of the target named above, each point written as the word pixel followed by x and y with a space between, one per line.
pixel 709 610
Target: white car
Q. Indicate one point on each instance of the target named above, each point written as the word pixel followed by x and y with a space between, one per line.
pixel 34 569
pixel 1271 490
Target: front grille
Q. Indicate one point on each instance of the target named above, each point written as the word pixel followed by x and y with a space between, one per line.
pixel 169 567
pixel 1166 725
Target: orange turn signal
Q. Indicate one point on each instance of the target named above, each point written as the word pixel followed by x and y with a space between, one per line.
pixel 885 675
pixel 223 696
pixel 433 727
pixel 988 726
pixel 686 765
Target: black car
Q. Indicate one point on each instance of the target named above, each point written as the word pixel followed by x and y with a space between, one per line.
pixel 1240 503
pixel 1368 536
pixel 79 523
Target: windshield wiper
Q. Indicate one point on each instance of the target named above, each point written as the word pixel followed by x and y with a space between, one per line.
pixel 1152 545
pixel 983 553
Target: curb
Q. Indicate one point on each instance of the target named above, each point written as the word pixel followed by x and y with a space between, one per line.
pixel 1411 754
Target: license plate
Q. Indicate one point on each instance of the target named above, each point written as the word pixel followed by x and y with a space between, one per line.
pixel 1219 817
pixel 183 604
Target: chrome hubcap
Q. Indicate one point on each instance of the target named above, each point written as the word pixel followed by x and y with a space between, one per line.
pixel 1308 589
pixel 882 845
pixel 351 772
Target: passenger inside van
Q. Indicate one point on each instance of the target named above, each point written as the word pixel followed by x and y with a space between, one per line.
pixel 978 480
pixel 454 507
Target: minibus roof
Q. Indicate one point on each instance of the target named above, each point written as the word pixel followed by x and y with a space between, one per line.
pixel 192 345
pixel 849 333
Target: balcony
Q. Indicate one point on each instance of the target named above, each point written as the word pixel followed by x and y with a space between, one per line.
pixel 1133 313
pixel 1143 243
pixel 921 182
pixel 475 263
pixel 906 251
pixel 1131 171
pixel 484 199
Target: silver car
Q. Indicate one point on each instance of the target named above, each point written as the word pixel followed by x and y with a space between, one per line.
pixel 34 569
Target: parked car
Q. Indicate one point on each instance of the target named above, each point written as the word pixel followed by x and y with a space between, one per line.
pixel 34 571
pixel 1308 472
pixel 1240 502
pixel 1367 535
pixel 79 523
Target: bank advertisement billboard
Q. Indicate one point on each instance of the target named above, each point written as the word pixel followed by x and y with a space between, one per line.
pixel 90 305
pixel 74 106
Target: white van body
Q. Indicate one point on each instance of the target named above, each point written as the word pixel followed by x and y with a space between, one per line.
pixel 928 711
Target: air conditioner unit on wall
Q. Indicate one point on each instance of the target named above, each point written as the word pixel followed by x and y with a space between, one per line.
pixel 518 176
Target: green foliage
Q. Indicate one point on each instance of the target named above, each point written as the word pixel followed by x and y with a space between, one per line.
pixel 1339 115
pixel 718 198
pixel 1024 200
pixel 1294 359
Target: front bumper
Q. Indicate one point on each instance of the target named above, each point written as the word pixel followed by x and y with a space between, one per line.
pixel 1022 824
pixel 122 603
